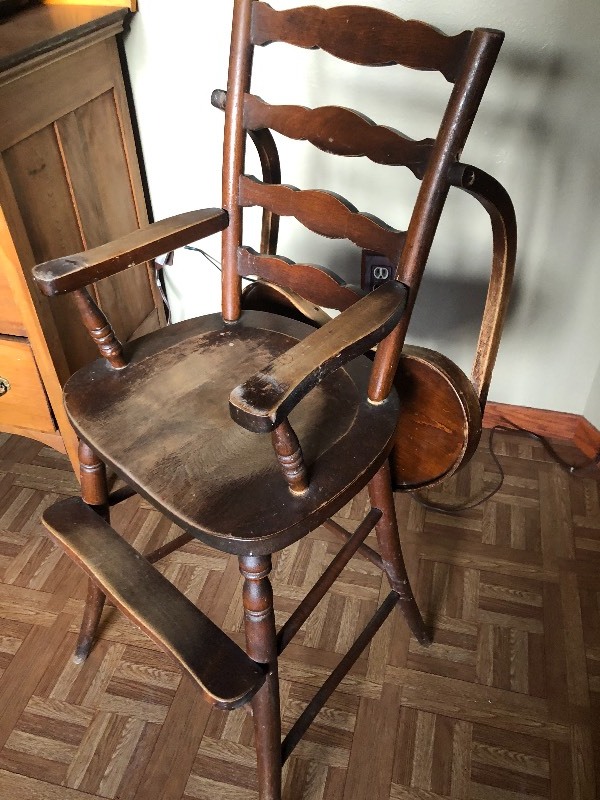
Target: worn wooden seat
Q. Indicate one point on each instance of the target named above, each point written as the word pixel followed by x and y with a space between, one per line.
pixel 209 474
pixel 248 429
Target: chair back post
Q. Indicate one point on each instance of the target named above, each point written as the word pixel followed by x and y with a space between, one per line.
pixel 465 98
pixel 234 145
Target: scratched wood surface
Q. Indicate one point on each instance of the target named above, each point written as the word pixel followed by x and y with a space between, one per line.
pixel 503 706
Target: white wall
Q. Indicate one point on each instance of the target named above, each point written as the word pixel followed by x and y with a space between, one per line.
pixel 536 132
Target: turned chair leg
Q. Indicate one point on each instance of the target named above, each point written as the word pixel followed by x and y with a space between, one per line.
pixel 94 492
pixel 261 645
pixel 382 497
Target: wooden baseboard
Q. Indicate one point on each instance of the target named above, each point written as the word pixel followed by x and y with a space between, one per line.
pixel 573 428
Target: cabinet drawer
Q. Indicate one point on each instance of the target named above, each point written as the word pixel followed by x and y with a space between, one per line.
pixel 24 404
pixel 10 316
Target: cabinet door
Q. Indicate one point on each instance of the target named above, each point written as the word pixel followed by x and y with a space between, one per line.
pixel 70 181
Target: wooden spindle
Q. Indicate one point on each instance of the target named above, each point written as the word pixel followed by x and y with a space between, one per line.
pixel 289 454
pixel 99 329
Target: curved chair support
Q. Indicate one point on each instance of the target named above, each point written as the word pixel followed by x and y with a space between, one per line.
pixel 496 201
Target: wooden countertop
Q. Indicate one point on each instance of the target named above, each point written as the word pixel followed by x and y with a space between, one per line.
pixel 41 29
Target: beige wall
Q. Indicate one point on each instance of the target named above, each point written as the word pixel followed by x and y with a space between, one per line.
pixel 536 132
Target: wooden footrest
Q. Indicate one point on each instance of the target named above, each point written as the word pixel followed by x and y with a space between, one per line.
pixel 225 674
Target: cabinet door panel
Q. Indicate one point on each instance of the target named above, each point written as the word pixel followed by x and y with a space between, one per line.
pixel 94 152
pixel 40 185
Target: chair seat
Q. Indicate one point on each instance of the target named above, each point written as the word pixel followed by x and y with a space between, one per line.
pixel 166 416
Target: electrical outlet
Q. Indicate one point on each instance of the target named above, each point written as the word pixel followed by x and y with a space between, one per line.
pixel 375 270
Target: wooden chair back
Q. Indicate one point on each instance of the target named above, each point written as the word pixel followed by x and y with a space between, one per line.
pixel 365 36
pixel 370 37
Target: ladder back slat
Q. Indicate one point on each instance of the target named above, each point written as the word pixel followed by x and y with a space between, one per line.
pixel 340 131
pixel 317 284
pixel 324 213
pixel 367 36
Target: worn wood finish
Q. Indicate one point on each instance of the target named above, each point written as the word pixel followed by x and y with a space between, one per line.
pixel 440 423
pixel 74 272
pixel 267 398
pixel 234 150
pixel 366 36
pixel 92 477
pixel 147 598
pixel 325 213
pixel 173 374
pixel 340 131
pixel 503 705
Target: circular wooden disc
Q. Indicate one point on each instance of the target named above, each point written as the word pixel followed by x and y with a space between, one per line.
pixel 440 419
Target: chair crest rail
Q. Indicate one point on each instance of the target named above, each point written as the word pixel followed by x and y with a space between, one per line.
pixel 366 36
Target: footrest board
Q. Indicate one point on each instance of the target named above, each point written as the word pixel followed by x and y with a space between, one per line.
pixel 224 673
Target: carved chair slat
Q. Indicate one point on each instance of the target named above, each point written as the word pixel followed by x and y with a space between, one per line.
pixel 314 283
pixel 325 213
pixel 340 131
pixel 361 35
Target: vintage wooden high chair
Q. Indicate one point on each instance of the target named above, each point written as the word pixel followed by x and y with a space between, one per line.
pixel 248 429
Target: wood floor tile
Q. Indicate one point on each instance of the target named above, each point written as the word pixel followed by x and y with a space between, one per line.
pixel 503 706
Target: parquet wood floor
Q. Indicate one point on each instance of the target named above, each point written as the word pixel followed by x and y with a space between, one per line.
pixel 504 706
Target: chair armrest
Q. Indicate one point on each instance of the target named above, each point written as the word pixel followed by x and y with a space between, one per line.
pixel 265 400
pixel 74 272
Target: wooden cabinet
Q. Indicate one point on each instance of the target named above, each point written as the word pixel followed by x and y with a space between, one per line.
pixel 69 180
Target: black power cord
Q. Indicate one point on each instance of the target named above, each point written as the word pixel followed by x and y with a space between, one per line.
pixel 509 427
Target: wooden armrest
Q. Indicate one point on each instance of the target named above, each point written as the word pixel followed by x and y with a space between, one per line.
pixel 265 400
pixel 74 272
pixel 225 674
pixel 496 201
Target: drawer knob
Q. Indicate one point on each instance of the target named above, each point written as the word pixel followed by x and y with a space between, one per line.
pixel 4 386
